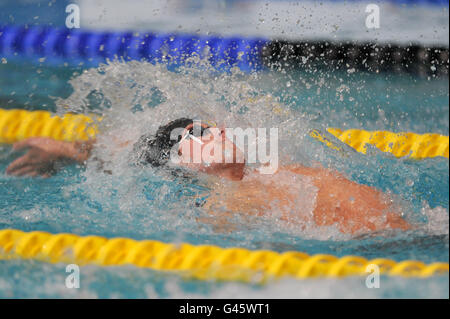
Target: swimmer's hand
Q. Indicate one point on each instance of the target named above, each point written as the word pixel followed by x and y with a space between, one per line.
pixel 44 153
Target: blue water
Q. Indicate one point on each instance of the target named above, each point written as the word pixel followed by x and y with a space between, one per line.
pixel 144 205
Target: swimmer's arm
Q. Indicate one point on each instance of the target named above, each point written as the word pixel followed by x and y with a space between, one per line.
pixel 351 205
pixel 44 152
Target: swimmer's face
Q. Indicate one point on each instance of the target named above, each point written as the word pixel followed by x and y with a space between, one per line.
pixel 211 152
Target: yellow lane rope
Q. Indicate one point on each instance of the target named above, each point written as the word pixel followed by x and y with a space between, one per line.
pixel 416 146
pixel 203 262
pixel 16 125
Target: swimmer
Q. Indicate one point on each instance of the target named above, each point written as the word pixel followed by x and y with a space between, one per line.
pixel 296 194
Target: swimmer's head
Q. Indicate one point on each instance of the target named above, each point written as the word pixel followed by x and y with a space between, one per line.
pixel 156 149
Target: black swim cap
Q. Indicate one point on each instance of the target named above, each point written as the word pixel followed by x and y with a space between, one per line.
pixel 155 149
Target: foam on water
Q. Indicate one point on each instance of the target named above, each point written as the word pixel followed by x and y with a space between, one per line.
pixel 437 220
pixel 136 97
pixel 127 96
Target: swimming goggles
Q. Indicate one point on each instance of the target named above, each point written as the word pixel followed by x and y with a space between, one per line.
pixel 190 133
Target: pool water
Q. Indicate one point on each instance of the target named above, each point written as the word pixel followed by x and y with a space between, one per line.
pixel 136 97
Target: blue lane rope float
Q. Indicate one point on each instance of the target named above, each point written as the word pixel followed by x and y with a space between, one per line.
pixel 92 47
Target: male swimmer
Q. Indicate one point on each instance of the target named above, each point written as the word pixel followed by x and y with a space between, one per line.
pixel 294 193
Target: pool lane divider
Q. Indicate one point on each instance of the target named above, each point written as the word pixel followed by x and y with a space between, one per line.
pixel 90 48
pixel 203 262
pixel 405 144
pixel 79 47
pixel 16 125
pixel 350 56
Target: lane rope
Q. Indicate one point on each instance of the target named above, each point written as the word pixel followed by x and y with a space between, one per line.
pixel 88 47
pixel 204 262
pixel 417 146
pixel 17 125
